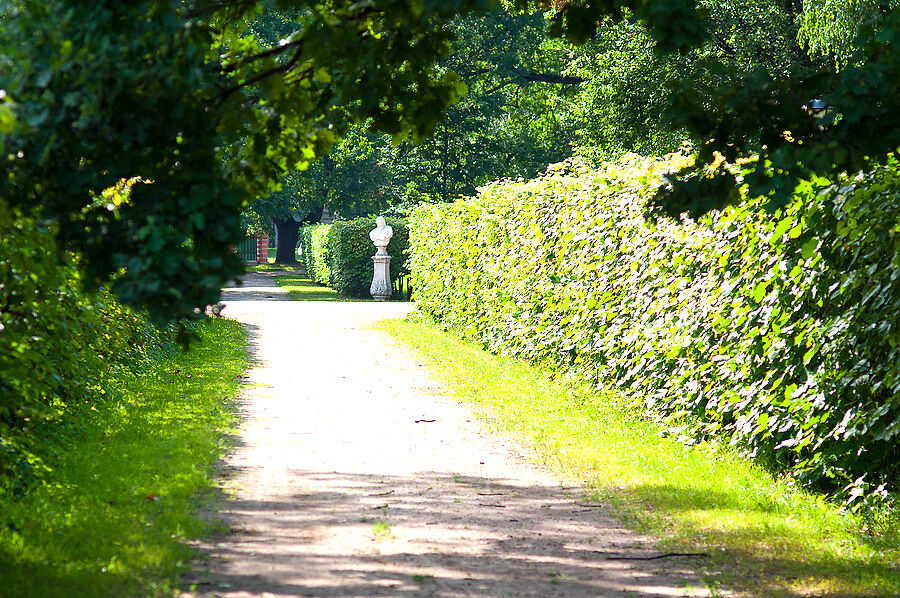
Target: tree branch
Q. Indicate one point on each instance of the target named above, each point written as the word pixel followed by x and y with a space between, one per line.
pixel 723 45
pixel 282 68
pixel 552 78
pixel 473 73
pixel 265 54
pixel 500 86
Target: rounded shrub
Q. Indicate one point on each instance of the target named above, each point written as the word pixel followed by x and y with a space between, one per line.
pixel 351 252
pixel 339 254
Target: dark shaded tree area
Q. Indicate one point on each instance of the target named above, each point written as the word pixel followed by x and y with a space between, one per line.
pixel 504 126
pixel 743 88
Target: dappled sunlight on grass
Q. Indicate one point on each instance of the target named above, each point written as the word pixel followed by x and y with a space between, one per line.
pixel 270 267
pixel 760 533
pixel 301 288
pixel 115 516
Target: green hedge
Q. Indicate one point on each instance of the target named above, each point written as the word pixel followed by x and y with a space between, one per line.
pixel 779 333
pixel 339 255
pixel 59 349
pixel 315 252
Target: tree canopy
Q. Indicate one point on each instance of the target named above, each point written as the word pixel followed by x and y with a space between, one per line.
pixel 202 113
pixel 761 116
pixel 506 125
pixel 183 96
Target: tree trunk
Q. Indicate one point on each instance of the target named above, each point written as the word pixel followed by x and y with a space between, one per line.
pixel 288 233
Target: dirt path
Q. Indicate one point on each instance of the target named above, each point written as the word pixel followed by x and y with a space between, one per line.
pixel 356 474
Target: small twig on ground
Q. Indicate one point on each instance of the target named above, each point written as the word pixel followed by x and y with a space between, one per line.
pixel 481 504
pixel 389 492
pixel 490 493
pixel 656 556
pixel 425 421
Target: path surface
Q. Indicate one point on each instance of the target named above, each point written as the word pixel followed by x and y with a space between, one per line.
pixel 357 474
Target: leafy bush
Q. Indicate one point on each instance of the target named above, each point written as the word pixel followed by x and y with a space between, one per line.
pixel 776 332
pixel 315 252
pixel 352 251
pixel 59 347
pixel 340 254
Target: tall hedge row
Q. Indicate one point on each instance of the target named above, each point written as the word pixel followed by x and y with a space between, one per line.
pixel 339 255
pixel 59 349
pixel 777 332
pixel 314 250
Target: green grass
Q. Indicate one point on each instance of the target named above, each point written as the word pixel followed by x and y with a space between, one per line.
pixel 273 251
pixel 381 530
pixel 301 288
pixel 115 516
pixel 762 534
pixel 269 268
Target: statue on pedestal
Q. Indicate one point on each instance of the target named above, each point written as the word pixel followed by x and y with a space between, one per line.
pixel 381 280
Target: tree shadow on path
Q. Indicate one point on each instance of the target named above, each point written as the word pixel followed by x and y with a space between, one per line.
pixel 435 534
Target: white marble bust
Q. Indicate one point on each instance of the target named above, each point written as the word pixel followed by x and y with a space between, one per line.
pixel 381 235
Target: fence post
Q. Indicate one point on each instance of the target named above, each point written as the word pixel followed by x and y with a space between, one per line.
pixel 262 250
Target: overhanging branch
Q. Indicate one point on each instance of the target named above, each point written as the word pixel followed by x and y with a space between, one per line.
pixel 552 78
pixel 281 68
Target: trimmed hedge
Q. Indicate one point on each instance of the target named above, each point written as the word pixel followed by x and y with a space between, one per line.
pixel 339 255
pixel 315 252
pixel 59 349
pixel 778 332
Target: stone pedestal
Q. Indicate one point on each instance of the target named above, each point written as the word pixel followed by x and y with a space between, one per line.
pixel 381 281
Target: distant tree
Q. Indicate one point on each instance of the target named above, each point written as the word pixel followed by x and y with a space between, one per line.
pixel 633 93
pixel 507 124
pixel 348 181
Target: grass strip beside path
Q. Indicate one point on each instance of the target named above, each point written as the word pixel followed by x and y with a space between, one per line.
pixel 301 288
pixel 116 514
pixel 761 534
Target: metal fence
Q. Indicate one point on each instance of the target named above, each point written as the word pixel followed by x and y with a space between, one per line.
pixel 247 249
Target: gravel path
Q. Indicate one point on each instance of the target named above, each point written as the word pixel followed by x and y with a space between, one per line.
pixel 357 474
